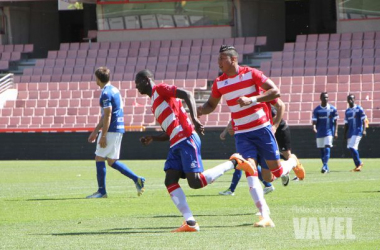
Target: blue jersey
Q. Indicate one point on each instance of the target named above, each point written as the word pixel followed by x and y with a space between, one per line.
pixel 354 118
pixel 325 118
pixel 110 97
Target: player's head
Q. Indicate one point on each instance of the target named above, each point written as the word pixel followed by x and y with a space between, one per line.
pixel 102 76
pixel 351 100
pixel 324 97
pixel 228 58
pixel 143 81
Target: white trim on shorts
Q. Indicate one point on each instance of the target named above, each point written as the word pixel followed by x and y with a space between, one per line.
pixel 353 142
pixel 325 141
pixel 112 150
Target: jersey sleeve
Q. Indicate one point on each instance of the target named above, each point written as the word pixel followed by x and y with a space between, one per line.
pixel 214 90
pixel 105 99
pixel 336 115
pixel 362 114
pixel 258 77
pixel 314 117
pixel 166 90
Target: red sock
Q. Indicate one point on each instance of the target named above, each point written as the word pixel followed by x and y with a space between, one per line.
pixel 277 171
pixel 248 174
pixel 203 180
pixel 172 187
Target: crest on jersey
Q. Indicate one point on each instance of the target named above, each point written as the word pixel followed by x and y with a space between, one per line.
pixel 225 82
pixel 241 77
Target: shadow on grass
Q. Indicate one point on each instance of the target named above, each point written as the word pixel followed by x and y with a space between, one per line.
pixel 51 199
pixel 57 199
pixel 200 215
pixel 371 191
pixel 202 195
pixel 146 230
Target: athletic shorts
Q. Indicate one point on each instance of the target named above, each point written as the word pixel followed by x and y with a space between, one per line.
pixel 112 150
pixel 353 142
pixel 325 141
pixel 258 142
pixel 283 139
pixel 185 156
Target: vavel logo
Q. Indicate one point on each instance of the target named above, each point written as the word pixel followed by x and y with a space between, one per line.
pixel 312 228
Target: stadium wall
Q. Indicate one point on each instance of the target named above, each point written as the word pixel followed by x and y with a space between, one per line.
pixel 74 146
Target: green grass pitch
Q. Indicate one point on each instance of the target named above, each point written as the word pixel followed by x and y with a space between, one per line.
pixel 42 206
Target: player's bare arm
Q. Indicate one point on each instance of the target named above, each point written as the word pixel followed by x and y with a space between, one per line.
pixel 336 129
pixel 280 107
pixel 228 130
pixel 106 124
pixel 94 134
pixel 188 97
pixel 364 128
pixel 208 106
pixel 315 126
pixel 146 140
pixel 271 93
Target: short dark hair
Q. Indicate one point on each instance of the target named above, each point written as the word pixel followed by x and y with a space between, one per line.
pixel 103 74
pixel 229 50
pixel 323 93
pixel 350 94
pixel 145 73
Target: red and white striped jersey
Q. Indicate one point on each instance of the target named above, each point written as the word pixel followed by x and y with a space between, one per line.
pixel 170 113
pixel 246 83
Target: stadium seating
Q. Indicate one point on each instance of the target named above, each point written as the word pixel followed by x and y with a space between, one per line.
pixel 357 53
pixel 75 57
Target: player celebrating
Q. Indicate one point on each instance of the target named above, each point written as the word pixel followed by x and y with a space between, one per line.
pixel 354 129
pixel 184 159
pixel 253 130
pixel 325 125
pixel 242 87
pixel 109 139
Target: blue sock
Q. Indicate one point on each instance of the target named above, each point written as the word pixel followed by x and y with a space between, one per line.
pixel 235 179
pixel 323 156
pixel 327 156
pixel 101 176
pixel 355 156
pixel 124 170
pixel 266 184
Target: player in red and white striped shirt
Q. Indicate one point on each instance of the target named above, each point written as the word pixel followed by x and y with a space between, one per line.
pixel 240 86
pixel 184 159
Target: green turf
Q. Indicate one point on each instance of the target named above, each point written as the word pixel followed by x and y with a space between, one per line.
pixel 42 206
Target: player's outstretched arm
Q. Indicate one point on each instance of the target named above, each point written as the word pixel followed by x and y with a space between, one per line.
pixel 146 140
pixel 208 106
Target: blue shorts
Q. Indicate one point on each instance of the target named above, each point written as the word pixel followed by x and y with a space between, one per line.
pixel 258 142
pixel 186 156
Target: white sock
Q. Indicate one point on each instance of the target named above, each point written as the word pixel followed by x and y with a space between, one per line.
pixel 288 165
pixel 179 199
pixel 257 194
pixel 214 173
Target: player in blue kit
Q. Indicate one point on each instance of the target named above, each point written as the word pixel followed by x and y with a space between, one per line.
pixel 111 127
pixel 354 129
pixel 325 125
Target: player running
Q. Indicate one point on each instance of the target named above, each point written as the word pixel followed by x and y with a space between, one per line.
pixel 184 158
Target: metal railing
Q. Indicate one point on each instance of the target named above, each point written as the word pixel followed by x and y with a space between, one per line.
pixel 6 82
